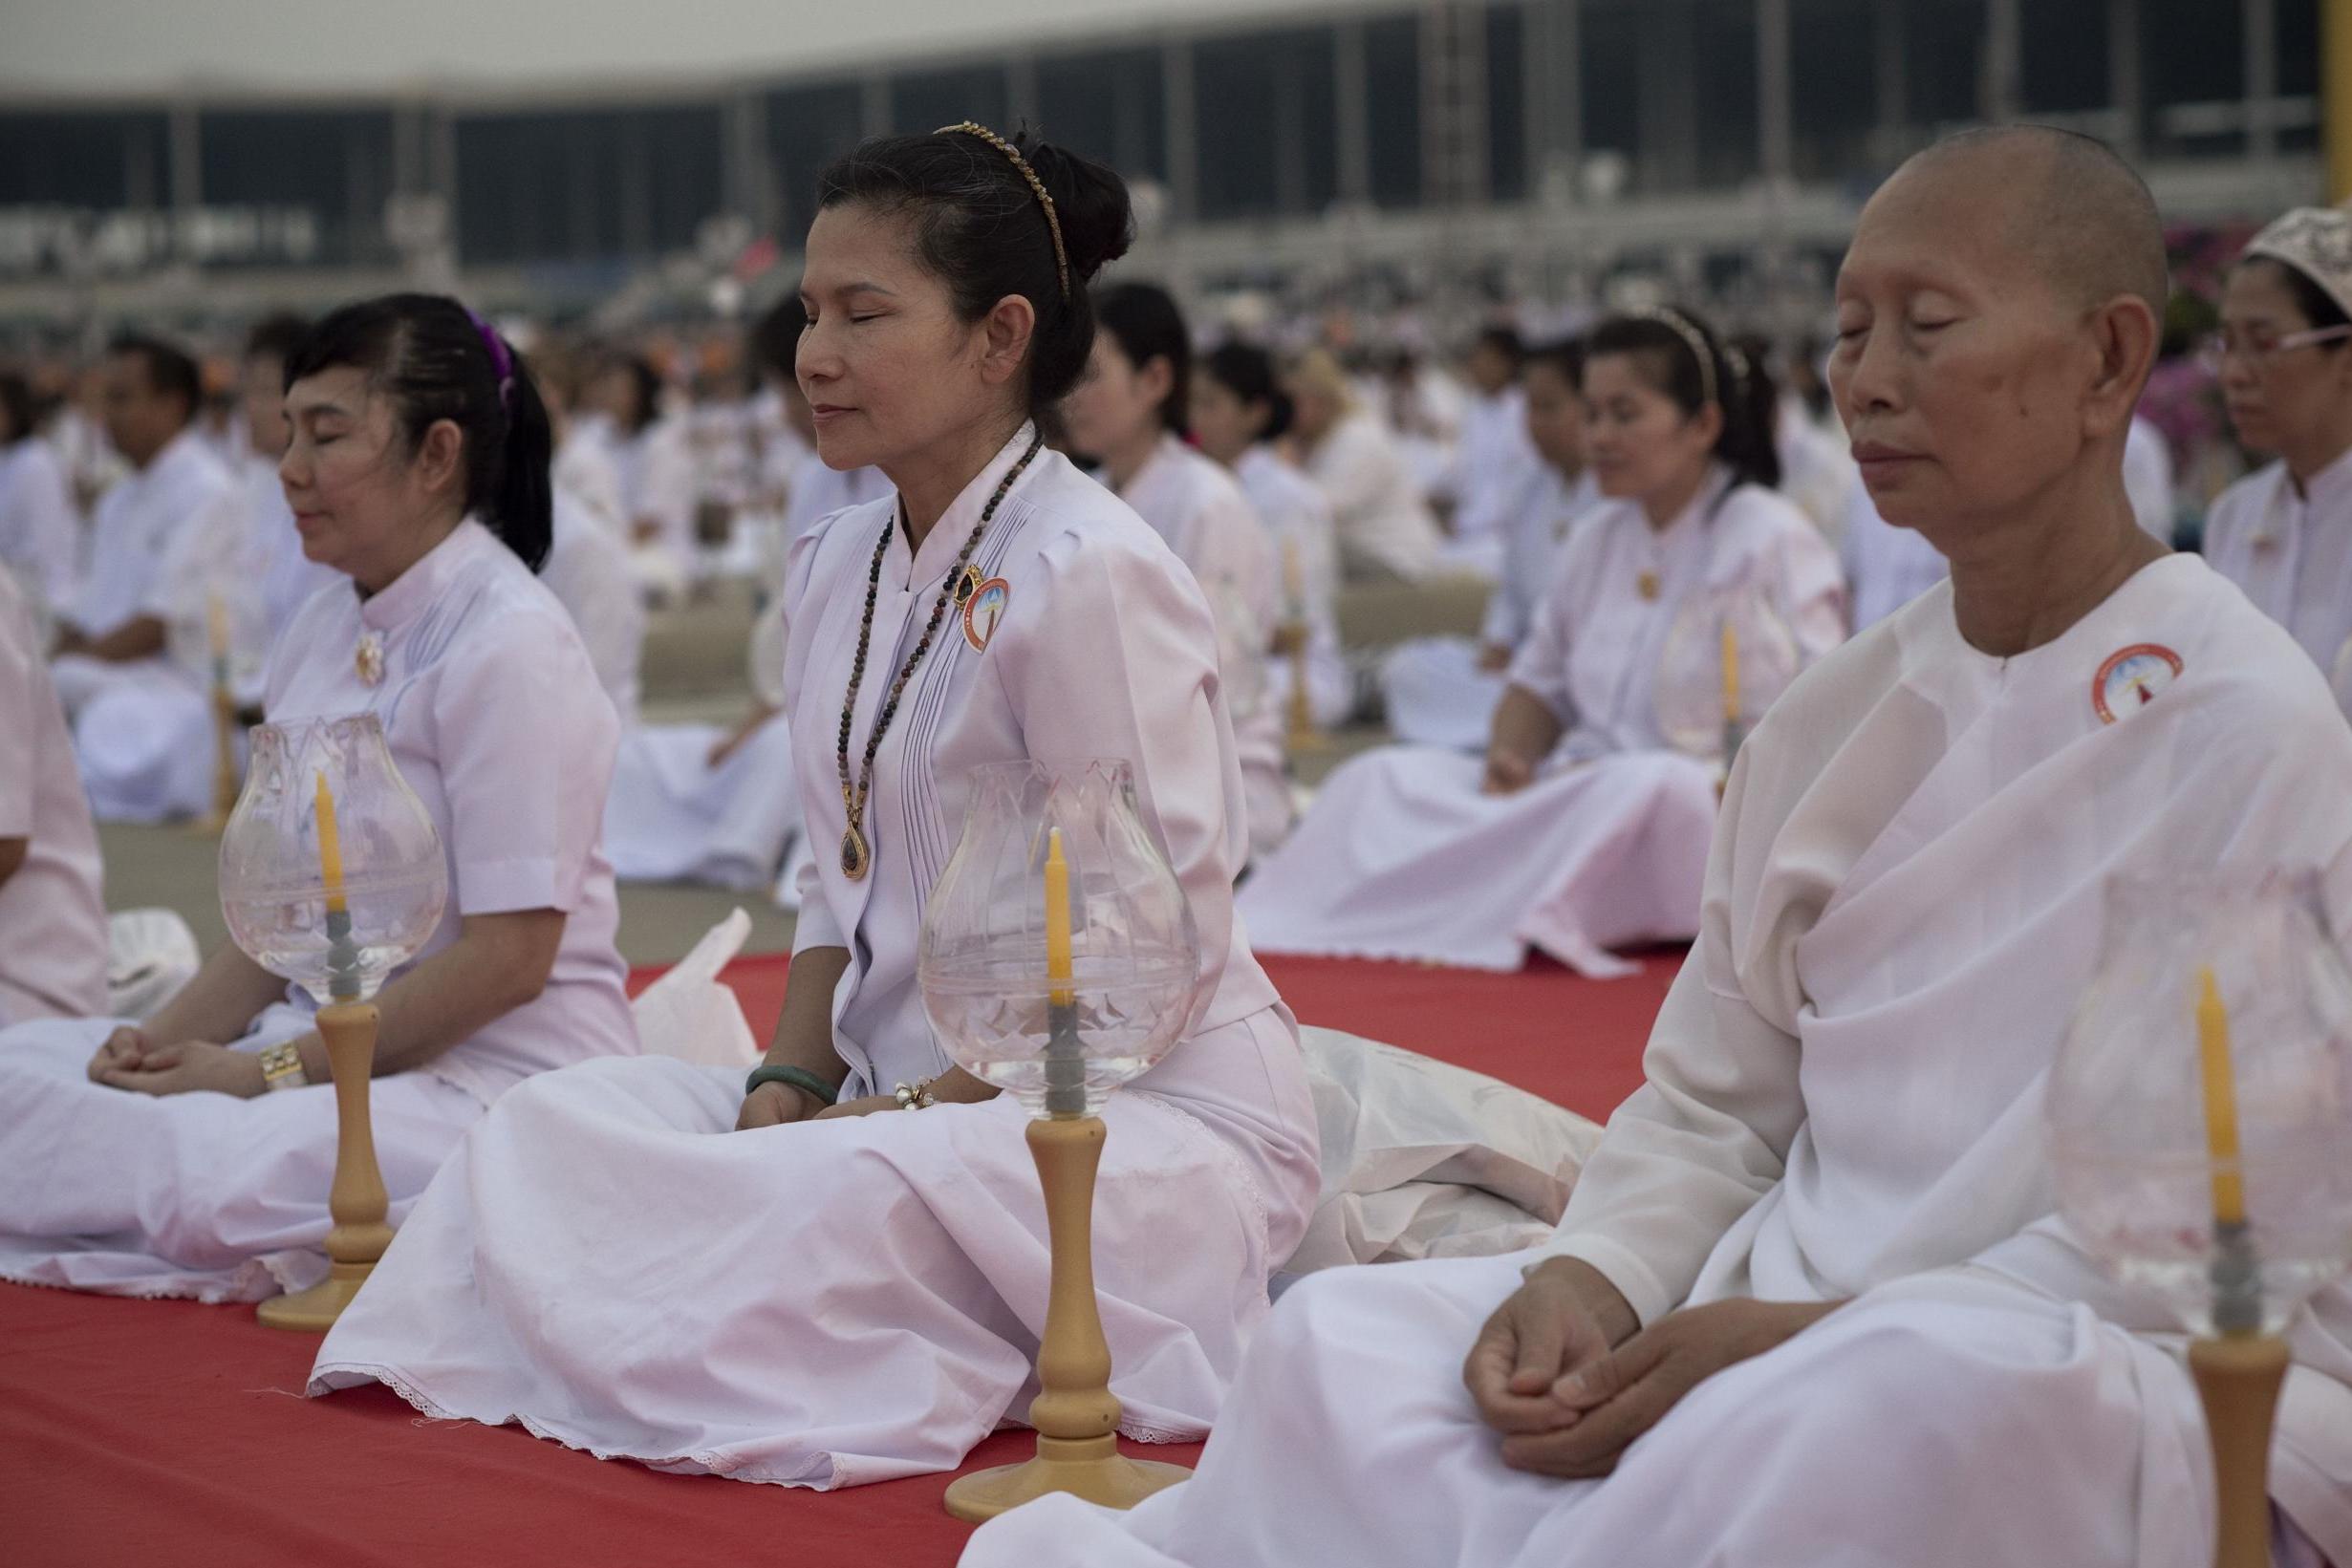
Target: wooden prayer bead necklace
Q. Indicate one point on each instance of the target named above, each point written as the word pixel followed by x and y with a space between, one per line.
pixel 856 854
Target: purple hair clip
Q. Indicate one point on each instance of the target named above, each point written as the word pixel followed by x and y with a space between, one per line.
pixel 501 359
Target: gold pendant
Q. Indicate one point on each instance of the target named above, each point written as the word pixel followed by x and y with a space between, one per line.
pixel 1648 583
pixel 368 660
pixel 855 857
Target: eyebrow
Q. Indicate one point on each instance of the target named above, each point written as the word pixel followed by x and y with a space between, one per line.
pixel 321 411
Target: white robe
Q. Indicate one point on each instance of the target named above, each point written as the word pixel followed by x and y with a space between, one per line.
pixel 495 720
pixel 1306 554
pixel 586 569
pixel 52 920
pixel 40 530
pixel 1494 462
pixel 1817 472
pixel 1433 691
pixel 655 468
pixel 584 470
pixel 2290 548
pixel 1204 514
pixel 165 540
pixel 2147 478
pixel 848 1301
pixel 1844 1093
pixel 1384 527
pixel 1885 567
pixel 1402 857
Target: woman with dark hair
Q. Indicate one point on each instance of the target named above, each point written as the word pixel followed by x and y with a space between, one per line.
pixel 836 1272
pixel 2285 534
pixel 655 462
pixel 40 533
pixel 1241 417
pixel 1585 827
pixel 1128 411
pixel 170 1164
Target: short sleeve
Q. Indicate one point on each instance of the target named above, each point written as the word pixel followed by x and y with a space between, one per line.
pixel 527 738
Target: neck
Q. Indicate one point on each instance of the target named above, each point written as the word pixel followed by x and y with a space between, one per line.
pixel 2025 581
pixel 1571 472
pixel 1124 461
pixel 377 576
pixel 1661 506
pixel 929 480
pixel 2308 459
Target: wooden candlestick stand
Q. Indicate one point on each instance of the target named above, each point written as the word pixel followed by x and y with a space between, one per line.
pixel 2237 1379
pixel 357 1199
pixel 1304 735
pixel 1075 1413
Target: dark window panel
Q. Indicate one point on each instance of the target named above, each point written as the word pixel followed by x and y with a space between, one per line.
pixel 683 152
pixel 929 99
pixel 335 164
pixel 1608 40
pixel 1833 106
pixel 1944 44
pixel 93 161
pixel 2298 67
pixel 1726 99
pixel 1506 103
pixel 1111 105
pixel 2062 64
pixel 808 128
pixel 1393 72
pixel 1268 124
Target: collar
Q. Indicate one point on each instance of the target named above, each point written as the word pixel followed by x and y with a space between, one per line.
pixel 414 591
pixel 945 540
pixel 2328 490
pixel 1695 513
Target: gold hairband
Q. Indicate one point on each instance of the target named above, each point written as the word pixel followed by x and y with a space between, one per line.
pixel 1693 338
pixel 1045 198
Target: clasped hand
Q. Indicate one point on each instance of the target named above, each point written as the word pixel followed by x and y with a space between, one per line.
pixel 129 1061
pixel 1544 1374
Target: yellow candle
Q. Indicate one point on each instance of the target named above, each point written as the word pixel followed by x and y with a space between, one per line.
pixel 331 849
pixel 216 622
pixel 1057 920
pixel 2220 1103
pixel 1731 674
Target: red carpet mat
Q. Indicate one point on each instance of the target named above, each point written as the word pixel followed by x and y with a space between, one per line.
pixel 161 1432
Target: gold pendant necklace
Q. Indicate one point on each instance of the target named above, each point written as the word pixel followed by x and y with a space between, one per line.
pixel 856 852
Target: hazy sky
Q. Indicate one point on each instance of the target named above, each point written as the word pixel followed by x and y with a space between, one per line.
pixel 96 47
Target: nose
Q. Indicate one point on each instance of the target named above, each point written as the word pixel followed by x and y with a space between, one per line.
pixel 1864 376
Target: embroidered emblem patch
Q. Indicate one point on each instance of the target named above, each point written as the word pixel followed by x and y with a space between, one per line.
pixel 2132 678
pixel 984 610
pixel 968 585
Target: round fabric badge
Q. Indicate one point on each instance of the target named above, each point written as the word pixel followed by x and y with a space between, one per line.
pixel 984 610
pixel 2132 678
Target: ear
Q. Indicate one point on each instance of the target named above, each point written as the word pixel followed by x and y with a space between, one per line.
pixel 440 458
pixel 1004 339
pixel 1708 424
pixel 2124 335
pixel 1156 380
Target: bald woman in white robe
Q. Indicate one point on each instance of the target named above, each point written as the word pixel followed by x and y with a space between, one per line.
pixel 1811 1303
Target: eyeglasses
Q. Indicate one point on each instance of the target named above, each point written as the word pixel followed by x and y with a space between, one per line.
pixel 2259 350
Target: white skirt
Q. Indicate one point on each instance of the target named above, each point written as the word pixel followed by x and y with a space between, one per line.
pixel 204 1195
pixel 673 817
pixel 143 738
pixel 1945 1421
pixel 606 1262
pixel 1435 695
pixel 1401 857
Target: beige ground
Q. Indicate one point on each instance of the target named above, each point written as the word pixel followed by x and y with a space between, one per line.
pixel 694 674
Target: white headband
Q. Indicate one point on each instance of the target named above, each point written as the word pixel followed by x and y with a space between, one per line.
pixel 2316 242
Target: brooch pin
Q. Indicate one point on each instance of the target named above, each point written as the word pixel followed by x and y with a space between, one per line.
pixel 2132 678
pixel 369 661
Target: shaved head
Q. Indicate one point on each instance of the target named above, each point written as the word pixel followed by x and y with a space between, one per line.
pixel 2082 215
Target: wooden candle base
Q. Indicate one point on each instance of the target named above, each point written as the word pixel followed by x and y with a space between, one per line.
pixel 1075 1413
pixel 357 1199
pixel 227 782
pixel 2239 1379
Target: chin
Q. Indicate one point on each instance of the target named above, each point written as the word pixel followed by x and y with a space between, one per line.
pixel 842 450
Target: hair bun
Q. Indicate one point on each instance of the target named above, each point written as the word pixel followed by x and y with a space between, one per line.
pixel 1091 203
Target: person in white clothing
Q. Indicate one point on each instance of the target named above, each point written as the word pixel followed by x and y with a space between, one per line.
pixel 1811 1301
pixel 655 462
pixel 134 651
pixel 1443 691
pixel 861 1216
pixel 274 561
pixel 2285 532
pixel 1386 531
pixel 1130 411
pixel 192 1154
pixel 2148 478
pixel 1493 461
pixel 53 920
pixel 1584 828
pixel 1241 417
pixel 40 531
pixel 583 466
pixel 586 569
